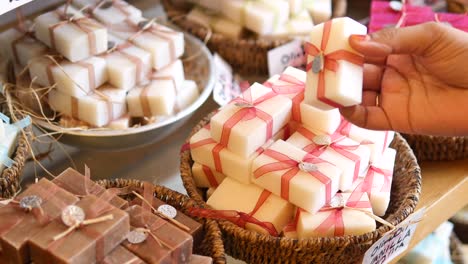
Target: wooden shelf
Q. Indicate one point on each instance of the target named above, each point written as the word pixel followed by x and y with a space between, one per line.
pixel 444 192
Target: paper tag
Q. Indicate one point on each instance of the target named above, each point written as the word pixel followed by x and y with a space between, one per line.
pixel 393 243
pixel 289 54
pixel 226 87
pixel 7 5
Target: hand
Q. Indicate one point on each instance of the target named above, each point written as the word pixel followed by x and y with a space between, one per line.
pixel 415 80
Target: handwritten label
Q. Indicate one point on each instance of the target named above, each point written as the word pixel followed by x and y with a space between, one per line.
pixel 7 5
pixel 289 54
pixel 226 87
pixel 395 242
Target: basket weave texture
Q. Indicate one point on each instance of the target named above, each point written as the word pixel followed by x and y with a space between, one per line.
pixel 10 178
pixel 247 55
pixel 457 6
pixel 212 244
pixel 433 148
pixel 253 247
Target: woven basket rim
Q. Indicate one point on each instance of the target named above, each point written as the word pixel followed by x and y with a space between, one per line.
pixel 405 209
pixel 438 148
pixel 181 202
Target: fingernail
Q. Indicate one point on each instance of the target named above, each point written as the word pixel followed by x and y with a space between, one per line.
pixel 360 37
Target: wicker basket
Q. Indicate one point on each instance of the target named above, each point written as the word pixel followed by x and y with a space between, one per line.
pixel 212 244
pixel 10 177
pixel 247 55
pixel 457 6
pixel 456 250
pixel 432 148
pixel 257 248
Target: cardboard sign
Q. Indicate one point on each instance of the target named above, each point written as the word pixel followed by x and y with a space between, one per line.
pixel 289 54
pixel 395 242
pixel 7 5
pixel 226 87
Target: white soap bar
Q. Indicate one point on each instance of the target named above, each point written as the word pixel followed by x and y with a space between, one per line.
pixel 9 142
pixel 97 109
pixel 296 6
pixel 75 79
pixel 378 182
pixel 128 66
pixel 155 99
pixel 232 195
pixel 290 83
pixel 206 151
pixel 320 10
pixel 320 121
pixel 300 24
pixel 188 94
pixel 329 88
pixel 109 12
pixel 121 123
pixel 343 152
pixel 173 72
pixel 20 47
pixel 206 177
pixel 218 24
pixel 261 17
pixel 283 170
pixel 76 40
pixel 164 44
pixel 328 223
pixel 251 131
pixel 377 141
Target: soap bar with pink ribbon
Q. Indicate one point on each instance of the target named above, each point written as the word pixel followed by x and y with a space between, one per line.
pixel 98 109
pixel 207 151
pixel 334 69
pixel 109 12
pixel 20 46
pixel 377 182
pixel 250 120
pixel 75 79
pixel 71 34
pixel 158 98
pixel 346 214
pixel 164 44
pixel 348 155
pixel 254 208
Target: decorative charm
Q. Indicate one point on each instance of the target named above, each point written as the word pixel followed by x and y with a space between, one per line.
pixel 307 167
pixel 244 105
pixel 318 63
pixel 322 140
pixel 337 202
pixel 167 210
pixel 110 44
pixel 136 236
pixel 72 215
pixel 30 202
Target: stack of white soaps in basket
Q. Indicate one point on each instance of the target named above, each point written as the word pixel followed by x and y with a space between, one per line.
pixel 265 18
pixel 106 64
pixel 284 159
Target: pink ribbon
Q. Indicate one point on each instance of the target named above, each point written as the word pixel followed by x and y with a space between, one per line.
pixel 345 129
pixel 367 184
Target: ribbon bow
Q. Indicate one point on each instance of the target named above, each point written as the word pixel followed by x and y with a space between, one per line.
pixel 327 61
pixel 367 184
pixel 248 110
pixel 290 85
pixel 307 164
pixel 240 219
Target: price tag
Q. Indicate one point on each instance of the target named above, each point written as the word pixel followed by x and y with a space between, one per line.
pixel 289 54
pixel 226 87
pixel 7 5
pixel 395 242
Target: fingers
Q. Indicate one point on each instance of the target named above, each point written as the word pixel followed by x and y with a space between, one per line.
pixel 369 117
pixel 372 77
pixel 408 40
pixel 369 98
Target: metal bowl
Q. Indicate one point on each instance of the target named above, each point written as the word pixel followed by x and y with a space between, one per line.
pixel 200 70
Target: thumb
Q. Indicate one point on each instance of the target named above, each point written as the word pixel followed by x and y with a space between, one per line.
pixel 416 40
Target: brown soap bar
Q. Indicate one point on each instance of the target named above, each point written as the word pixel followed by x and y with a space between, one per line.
pixel 120 255
pixel 196 229
pixel 76 183
pixel 176 244
pixel 54 199
pixel 197 259
pixel 86 244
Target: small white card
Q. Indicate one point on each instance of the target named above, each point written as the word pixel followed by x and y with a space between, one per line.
pixel 395 242
pixel 289 54
pixel 226 87
pixel 7 5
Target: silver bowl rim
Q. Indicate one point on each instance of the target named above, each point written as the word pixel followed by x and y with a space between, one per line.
pixel 132 131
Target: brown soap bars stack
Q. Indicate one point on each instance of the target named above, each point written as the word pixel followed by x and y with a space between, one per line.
pixel 74 220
